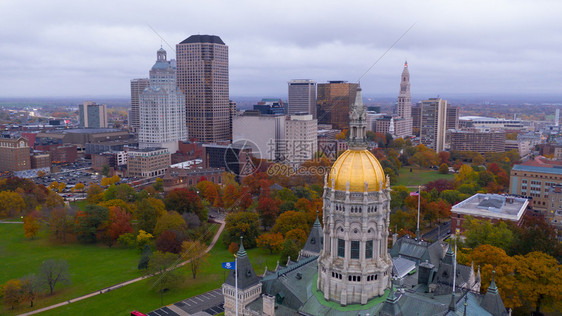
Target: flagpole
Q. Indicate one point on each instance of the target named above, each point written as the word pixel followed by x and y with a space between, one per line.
pixel 236 280
pixel 419 199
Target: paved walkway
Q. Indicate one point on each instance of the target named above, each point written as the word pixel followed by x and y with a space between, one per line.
pixel 120 285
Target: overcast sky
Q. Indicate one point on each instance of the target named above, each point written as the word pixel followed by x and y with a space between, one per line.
pixel 93 48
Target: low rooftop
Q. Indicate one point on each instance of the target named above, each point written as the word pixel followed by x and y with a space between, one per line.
pixel 493 206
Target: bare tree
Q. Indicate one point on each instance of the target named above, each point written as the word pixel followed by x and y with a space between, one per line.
pixel 52 272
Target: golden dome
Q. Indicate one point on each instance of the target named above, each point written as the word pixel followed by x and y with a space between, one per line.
pixel 357 167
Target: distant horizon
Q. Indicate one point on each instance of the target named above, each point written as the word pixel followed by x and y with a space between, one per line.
pixel 383 98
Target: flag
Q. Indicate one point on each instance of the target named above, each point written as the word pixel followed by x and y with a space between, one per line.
pixel 415 193
pixel 229 265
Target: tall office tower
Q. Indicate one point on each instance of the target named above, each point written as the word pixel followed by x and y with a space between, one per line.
pixel 302 97
pixel 231 114
pixel 404 105
pixel 453 117
pixel 137 87
pixel 162 108
pixel 92 115
pixel 203 78
pixel 333 102
pixel 433 123
pixel 416 116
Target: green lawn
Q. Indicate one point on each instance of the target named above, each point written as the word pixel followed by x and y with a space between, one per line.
pixel 91 267
pixel 139 296
pixel 419 176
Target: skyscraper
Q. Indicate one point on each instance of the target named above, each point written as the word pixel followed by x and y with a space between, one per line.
pixel 433 123
pixel 203 78
pixel 162 107
pixel 333 102
pixel 93 115
pixel 404 105
pixel 302 97
pixel 137 87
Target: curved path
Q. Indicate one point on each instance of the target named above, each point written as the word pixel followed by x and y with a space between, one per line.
pixel 122 284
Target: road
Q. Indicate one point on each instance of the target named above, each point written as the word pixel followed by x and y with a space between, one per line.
pixel 122 284
pixel 443 230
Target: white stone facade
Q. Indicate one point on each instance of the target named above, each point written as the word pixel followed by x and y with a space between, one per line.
pixel 162 108
pixel 354 265
pixel 245 297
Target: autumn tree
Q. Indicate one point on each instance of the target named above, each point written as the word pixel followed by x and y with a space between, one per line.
pixel 170 241
pixel 147 213
pixel 122 192
pixel 241 224
pixel 162 265
pixel 143 238
pixel 171 220
pixel 90 222
pixel 119 223
pixel 268 211
pixel 536 234
pixel 443 168
pixel 61 223
pixel 79 187
pixel 11 204
pixel 297 235
pixel 539 281
pixel 53 200
pixel 195 252
pixel 31 225
pixel 479 232
pixel 158 184
pixel 94 194
pixel 53 272
pixel 127 207
pixel 290 249
pixel 270 241
pixel 12 293
pixel 185 201
pixel 288 221
pixel 231 194
pixel 208 190
pixel 397 196
pixel 443 157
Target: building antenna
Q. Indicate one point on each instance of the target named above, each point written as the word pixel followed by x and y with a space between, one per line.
pixel 391 46
pixel 161 38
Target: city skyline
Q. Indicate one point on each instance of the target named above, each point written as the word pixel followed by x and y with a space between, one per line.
pixel 68 49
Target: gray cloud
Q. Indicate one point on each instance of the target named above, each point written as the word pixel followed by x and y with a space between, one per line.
pixel 74 48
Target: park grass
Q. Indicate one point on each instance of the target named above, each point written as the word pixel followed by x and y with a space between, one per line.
pixel 91 267
pixel 140 296
pixel 419 177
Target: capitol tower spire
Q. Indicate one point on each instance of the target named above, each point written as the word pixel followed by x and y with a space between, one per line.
pixel 403 107
pixel 358 123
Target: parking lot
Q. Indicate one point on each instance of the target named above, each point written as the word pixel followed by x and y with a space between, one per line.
pixel 211 303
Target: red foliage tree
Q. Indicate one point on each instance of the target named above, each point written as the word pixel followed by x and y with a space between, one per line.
pixel 268 210
pixel 444 157
pixel 169 241
pixel 440 185
pixel 120 223
pixel 185 201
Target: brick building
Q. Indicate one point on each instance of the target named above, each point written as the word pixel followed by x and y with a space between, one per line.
pixel 176 178
pixel 14 154
pixel 148 162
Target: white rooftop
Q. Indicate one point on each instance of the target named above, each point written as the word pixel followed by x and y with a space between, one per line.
pixel 493 206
